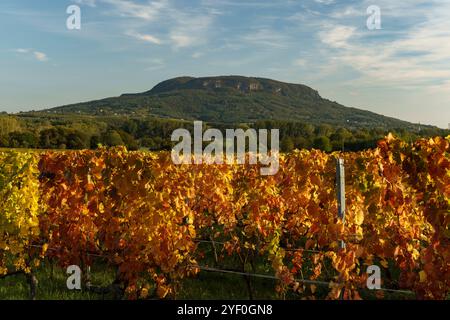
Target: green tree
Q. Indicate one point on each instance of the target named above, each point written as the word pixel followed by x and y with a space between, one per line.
pixel 302 143
pixel 52 138
pixel 95 141
pixel 113 138
pixel 286 144
pixel 339 138
pixel 128 140
pixel 322 143
pixel 23 140
pixel 76 140
pixel 324 130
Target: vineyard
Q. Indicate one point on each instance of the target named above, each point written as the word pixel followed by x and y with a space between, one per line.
pixel 156 223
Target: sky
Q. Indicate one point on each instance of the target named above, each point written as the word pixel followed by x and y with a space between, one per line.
pixel 399 69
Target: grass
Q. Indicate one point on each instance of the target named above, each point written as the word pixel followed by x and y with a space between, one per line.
pixel 51 285
pixel 206 285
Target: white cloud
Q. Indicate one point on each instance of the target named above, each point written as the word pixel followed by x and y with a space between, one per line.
pixel 40 56
pixel 348 12
pixel 126 8
pixel 89 3
pixel 256 4
pixel 416 56
pixel 144 37
pixel 181 40
pixel 266 38
pixel 337 36
pixel 20 50
pixel 182 27
pixel 300 62
pixel 326 2
pixel 197 55
pixel 190 29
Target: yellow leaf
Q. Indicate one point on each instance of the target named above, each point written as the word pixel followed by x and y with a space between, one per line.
pixel 359 218
pixel 144 293
pixel 422 276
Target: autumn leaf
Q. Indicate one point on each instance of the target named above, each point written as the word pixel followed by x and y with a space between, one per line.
pixel 359 218
pixel 422 276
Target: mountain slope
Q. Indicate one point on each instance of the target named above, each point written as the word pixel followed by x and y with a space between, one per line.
pixel 233 99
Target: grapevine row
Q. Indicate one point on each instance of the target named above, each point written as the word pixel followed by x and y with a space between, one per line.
pixel 144 215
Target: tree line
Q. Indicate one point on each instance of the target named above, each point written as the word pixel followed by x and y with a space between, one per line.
pixel 41 131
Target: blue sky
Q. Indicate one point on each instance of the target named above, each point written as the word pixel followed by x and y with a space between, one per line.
pixel 401 70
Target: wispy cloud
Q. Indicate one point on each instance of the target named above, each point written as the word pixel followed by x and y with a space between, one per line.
pixel 327 2
pixel 178 27
pixel 89 3
pixel 126 8
pixel 197 55
pixel 337 36
pixel 300 62
pixel 419 56
pixel 190 28
pixel 249 3
pixel 144 37
pixel 265 37
pixel 20 50
pixel 346 12
pixel 38 55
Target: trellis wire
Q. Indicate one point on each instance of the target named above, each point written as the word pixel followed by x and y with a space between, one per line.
pixel 254 275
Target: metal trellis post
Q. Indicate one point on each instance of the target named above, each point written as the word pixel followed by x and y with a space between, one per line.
pixel 340 187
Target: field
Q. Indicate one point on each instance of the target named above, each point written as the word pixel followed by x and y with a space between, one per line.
pixel 140 227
